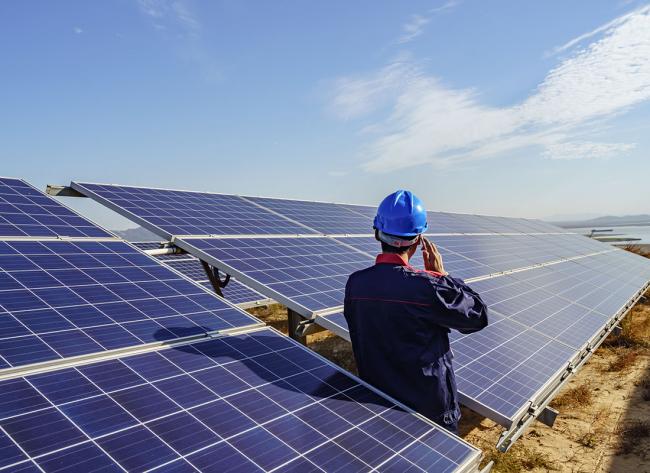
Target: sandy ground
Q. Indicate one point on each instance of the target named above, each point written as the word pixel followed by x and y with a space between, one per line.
pixel 604 421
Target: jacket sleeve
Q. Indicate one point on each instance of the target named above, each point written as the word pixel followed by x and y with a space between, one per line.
pixel 457 306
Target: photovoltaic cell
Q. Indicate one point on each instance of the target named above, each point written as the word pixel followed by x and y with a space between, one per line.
pixel 310 272
pixel 25 211
pixel 171 212
pixel 252 402
pixel 62 298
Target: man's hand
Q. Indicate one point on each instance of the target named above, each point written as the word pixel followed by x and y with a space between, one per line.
pixel 432 258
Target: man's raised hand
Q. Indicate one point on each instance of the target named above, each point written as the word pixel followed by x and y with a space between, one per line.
pixel 432 257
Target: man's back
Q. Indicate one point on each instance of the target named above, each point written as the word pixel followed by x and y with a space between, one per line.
pixel 399 319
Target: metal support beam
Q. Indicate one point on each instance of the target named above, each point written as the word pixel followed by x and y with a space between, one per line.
pixel 214 280
pixel 487 468
pixel 167 250
pixel 308 327
pixel 294 319
pixel 548 416
pixel 62 191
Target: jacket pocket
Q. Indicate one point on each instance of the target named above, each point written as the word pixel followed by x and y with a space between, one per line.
pixel 442 385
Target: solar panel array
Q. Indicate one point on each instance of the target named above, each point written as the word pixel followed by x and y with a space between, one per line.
pixel 191 267
pixel 502 369
pixel 251 401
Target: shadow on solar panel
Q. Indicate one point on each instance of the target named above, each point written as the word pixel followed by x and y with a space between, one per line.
pixel 250 402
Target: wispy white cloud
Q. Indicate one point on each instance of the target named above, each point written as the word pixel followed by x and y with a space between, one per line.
pixel 417 22
pixel 171 13
pixel 602 28
pixel 413 28
pixel 585 150
pixel 445 6
pixel 431 123
pixel 359 95
pixel 77 30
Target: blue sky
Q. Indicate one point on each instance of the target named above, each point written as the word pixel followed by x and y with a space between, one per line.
pixel 511 108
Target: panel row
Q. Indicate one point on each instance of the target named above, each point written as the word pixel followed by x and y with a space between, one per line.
pixel 311 273
pixel 172 212
pixel 169 212
pixel 252 402
pixel 63 298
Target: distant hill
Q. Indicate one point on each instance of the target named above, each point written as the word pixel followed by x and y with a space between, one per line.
pixel 607 221
pixel 137 234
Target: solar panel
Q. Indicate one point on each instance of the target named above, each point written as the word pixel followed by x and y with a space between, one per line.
pixel 505 365
pixel 445 222
pixel 448 222
pixel 563 302
pixel 191 267
pixel 592 281
pixel 509 252
pixel 25 211
pixel 366 210
pixel 306 274
pixel 62 298
pixel 171 212
pixel 323 217
pixel 256 401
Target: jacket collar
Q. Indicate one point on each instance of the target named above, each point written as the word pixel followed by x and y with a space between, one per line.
pixel 391 258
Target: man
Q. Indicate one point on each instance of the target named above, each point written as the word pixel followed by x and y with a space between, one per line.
pixel 400 317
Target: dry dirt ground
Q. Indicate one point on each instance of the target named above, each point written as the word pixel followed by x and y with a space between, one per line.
pixel 604 421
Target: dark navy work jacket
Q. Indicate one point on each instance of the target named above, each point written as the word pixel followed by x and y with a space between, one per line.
pixel 399 320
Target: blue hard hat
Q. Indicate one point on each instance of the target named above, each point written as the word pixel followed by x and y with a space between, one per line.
pixel 401 214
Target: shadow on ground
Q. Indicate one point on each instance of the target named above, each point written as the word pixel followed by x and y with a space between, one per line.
pixel 631 441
